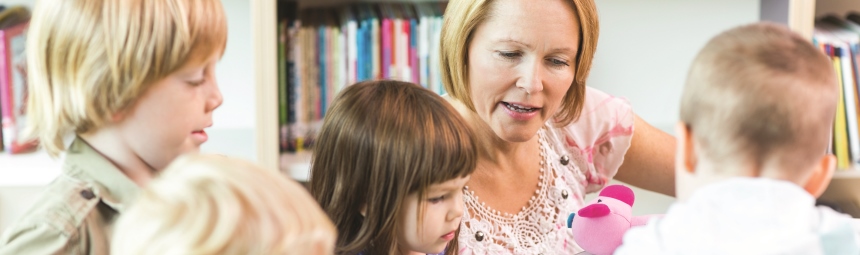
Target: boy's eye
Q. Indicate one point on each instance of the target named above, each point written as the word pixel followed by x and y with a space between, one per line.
pixel 197 82
pixel 436 200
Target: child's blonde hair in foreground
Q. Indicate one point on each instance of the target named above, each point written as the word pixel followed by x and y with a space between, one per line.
pixel 210 204
pixel 761 95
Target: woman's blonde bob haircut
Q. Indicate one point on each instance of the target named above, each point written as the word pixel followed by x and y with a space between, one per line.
pixel 90 59
pixel 211 204
pixel 463 17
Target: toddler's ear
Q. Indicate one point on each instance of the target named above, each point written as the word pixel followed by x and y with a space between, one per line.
pixel 685 154
pixel 817 183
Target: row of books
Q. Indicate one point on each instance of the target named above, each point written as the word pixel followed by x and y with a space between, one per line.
pixel 840 39
pixel 13 79
pixel 321 51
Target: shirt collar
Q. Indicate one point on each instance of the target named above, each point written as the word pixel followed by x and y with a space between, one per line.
pixel 108 182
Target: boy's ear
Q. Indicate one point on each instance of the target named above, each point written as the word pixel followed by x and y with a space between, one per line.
pixel 117 116
pixel 820 179
pixel 686 151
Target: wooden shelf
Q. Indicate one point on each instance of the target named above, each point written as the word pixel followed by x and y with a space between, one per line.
pixel 853 173
pixel 296 165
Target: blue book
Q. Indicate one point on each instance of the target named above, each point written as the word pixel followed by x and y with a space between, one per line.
pixel 323 41
pixel 361 58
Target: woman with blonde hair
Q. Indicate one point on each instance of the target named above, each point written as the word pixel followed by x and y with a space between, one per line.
pixel 516 70
pixel 211 204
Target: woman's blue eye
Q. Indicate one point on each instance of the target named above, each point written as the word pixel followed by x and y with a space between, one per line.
pixel 510 55
pixel 557 62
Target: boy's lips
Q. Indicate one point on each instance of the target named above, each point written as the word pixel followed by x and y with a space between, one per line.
pixel 200 136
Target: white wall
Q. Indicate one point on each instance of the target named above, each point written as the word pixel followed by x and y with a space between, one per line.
pixel 643 53
pixel 234 122
pixel 645 48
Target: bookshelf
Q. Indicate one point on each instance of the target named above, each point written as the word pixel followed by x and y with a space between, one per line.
pixel 799 15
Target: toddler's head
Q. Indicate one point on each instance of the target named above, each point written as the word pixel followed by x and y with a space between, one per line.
pixel 759 101
pixel 211 204
pixel 389 168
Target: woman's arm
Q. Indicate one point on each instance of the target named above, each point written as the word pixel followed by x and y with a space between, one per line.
pixel 650 161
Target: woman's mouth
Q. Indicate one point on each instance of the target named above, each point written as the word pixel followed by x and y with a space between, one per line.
pixel 520 112
pixel 519 108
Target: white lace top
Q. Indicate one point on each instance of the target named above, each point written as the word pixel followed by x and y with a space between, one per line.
pixel 577 159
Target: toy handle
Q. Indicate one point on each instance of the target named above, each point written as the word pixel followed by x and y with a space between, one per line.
pixel 570 220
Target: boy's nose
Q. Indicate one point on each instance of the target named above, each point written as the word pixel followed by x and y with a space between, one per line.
pixel 215 99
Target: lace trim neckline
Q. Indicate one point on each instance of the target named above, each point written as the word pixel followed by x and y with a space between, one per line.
pixel 543 183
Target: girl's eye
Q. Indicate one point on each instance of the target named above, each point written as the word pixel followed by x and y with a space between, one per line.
pixel 557 62
pixel 436 200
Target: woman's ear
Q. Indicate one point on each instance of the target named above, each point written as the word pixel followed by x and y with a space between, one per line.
pixel 363 210
pixel 820 179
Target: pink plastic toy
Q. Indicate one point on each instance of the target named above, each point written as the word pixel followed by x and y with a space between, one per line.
pixel 599 226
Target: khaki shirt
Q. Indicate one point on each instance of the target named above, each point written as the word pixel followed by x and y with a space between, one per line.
pixel 76 212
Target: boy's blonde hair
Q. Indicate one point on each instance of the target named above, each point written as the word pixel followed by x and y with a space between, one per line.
pixel 211 204
pixel 463 17
pixel 763 95
pixel 91 59
pixel 380 142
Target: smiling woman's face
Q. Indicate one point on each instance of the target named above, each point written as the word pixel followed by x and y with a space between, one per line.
pixel 521 63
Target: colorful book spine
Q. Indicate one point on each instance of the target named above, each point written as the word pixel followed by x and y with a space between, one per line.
pixel 387 30
pixel 15 82
pixel 840 134
pixel 282 86
pixel 5 97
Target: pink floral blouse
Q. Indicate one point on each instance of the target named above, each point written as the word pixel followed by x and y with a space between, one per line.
pixel 576 159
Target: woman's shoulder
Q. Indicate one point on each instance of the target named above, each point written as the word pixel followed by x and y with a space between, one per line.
pixel 602 115
pixel 598 139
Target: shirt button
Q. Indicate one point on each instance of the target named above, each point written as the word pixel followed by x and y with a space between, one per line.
pixel 87 194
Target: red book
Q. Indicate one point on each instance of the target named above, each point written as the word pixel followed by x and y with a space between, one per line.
pixel 13 88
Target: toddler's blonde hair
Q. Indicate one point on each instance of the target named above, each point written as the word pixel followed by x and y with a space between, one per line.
pixel 211 204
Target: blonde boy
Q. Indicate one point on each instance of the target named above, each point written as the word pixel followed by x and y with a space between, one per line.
pixel 756 115
pixel 132 82
pixel 209 204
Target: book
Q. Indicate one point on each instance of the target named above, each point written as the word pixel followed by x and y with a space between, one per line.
pixel 414 69
pixel 282 86
pixel 424 28
pixel 387 17
pixel 840 127
pixel 349 26
pixel 844 40
pixel 13 81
